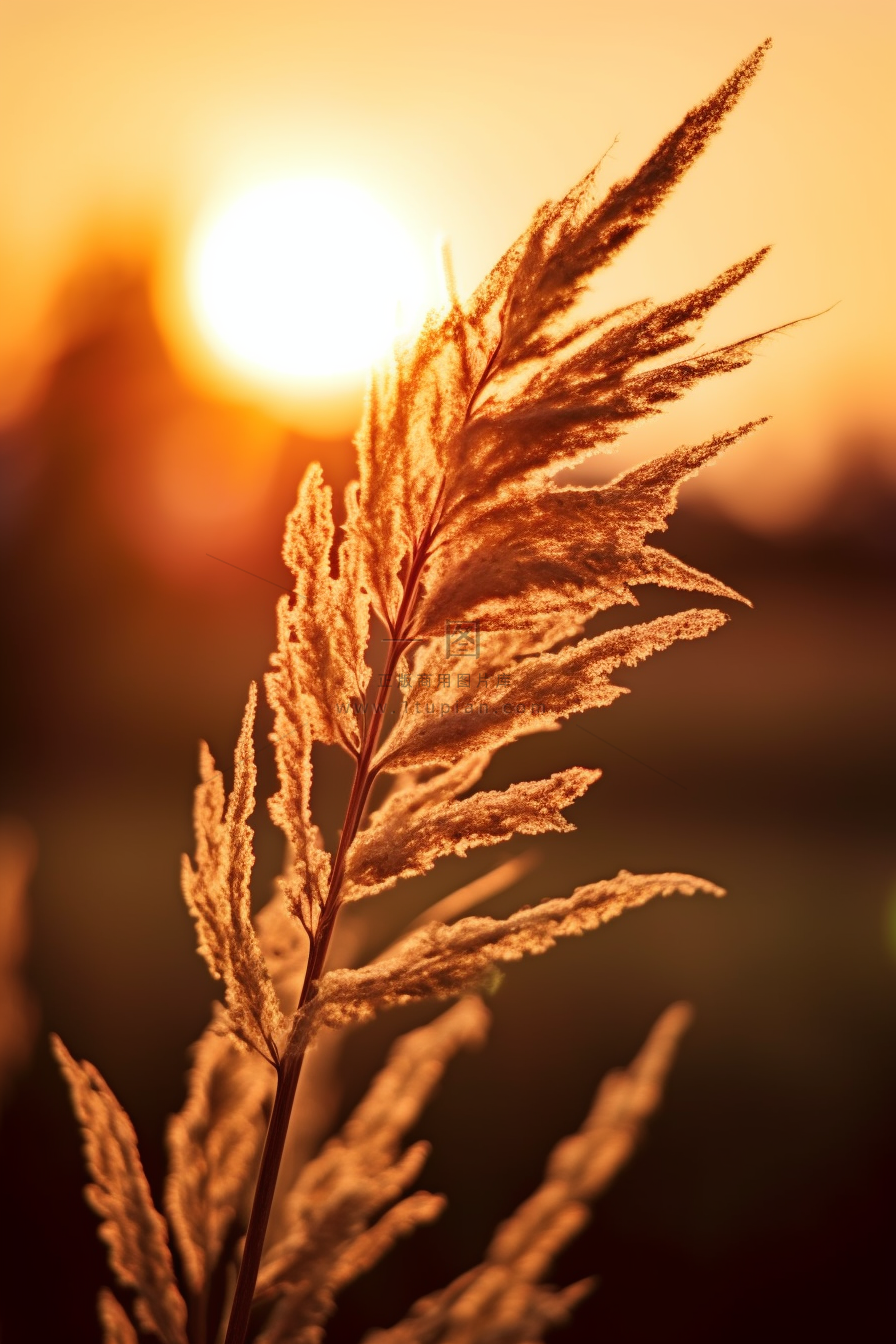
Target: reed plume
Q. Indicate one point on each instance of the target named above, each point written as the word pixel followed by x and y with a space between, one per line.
pixel 502 1301
pixel 478 573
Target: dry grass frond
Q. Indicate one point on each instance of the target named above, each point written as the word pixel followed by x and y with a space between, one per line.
pixel 585 549
pixel 581 1167
pixel 117 1328
pixel 570 240
pixel 214 1144
pixel 320 1087
pixel 382 855
pixel 283 943
pixel 369 1247
pixel 572 407
pixel 414 794
pixel 326 619
pixel 502 1301
pixel 218 895
pixel 435 416
pixel 441 960
pixel 132 1228
pixel 535 695
pixel 460 520
pixel 481 889
pixel 342 1190
pixel 305 885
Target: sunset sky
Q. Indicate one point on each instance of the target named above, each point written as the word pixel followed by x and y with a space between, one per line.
pixel 125 123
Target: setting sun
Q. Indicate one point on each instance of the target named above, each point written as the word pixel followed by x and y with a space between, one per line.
pixel 302 279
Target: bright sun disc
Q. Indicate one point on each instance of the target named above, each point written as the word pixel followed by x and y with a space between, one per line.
pixel 302 279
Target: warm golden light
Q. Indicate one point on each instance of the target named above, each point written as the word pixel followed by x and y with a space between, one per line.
pixel 299 279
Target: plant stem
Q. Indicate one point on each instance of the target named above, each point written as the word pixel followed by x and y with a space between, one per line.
pixel 199 1315
pixel 290 1065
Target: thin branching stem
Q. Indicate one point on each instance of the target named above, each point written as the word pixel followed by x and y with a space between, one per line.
pixel 199 1314
pixel 290 1065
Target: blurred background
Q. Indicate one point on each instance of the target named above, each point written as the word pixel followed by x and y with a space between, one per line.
pixel 150 446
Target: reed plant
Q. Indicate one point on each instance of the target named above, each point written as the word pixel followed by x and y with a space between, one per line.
pixel 449 620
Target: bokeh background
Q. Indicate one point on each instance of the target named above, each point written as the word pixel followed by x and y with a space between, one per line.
pixel 762 1202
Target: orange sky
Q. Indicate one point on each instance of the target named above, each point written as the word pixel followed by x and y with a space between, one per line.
pixel 461 120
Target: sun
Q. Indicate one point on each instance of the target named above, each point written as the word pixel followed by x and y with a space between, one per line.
pixel 298 280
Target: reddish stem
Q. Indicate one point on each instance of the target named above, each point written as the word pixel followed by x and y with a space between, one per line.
pixel 290 1066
